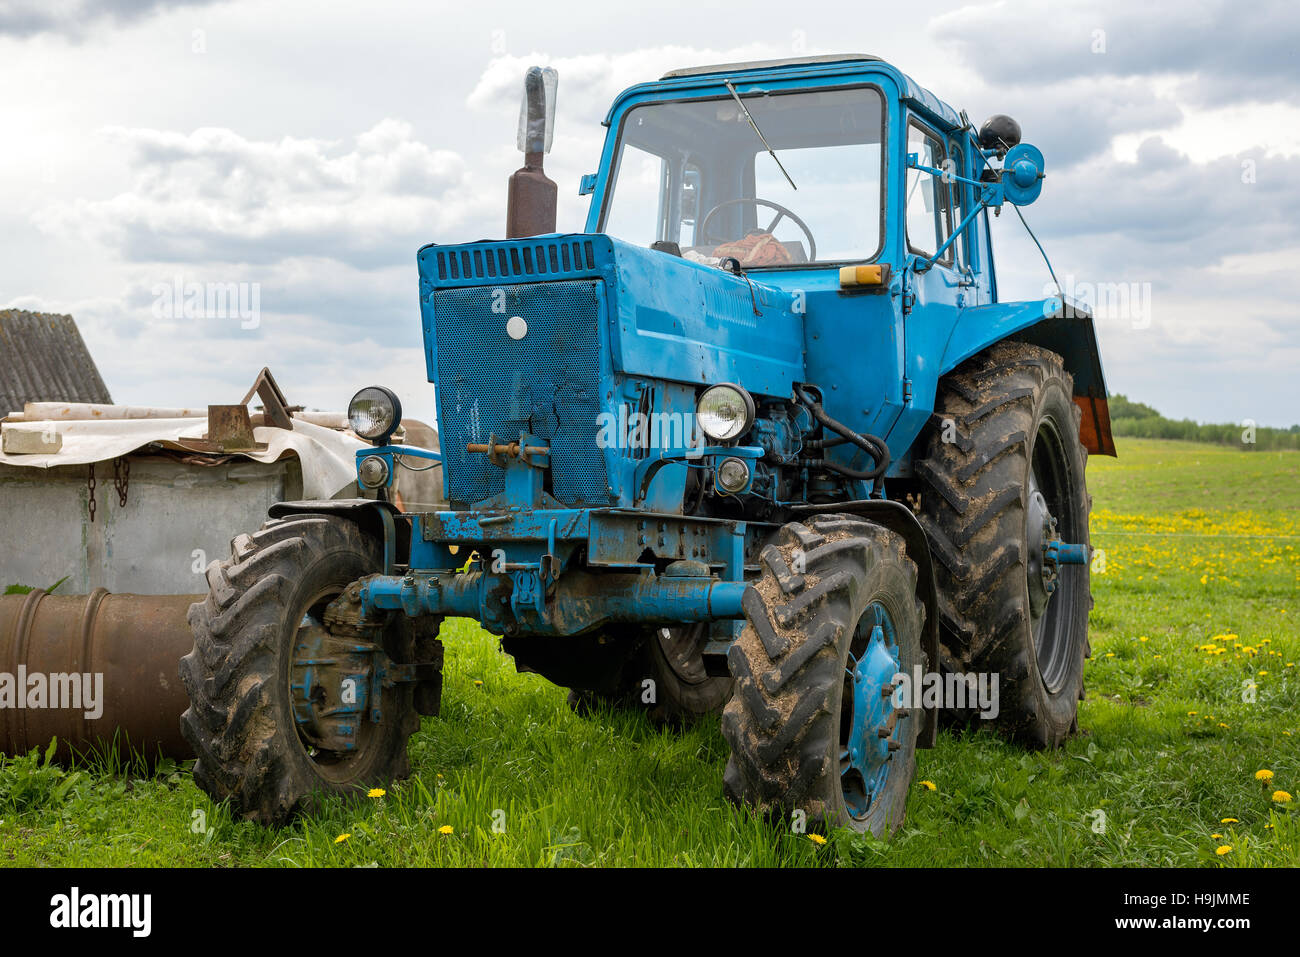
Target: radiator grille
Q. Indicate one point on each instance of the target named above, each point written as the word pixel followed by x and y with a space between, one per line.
pixel 523 258
pixel 546 384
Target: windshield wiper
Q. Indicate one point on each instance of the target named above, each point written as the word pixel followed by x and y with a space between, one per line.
pixel 736 96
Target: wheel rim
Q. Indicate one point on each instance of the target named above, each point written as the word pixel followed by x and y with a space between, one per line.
pixel 870 725
pixel 1050 515
pixel 304 692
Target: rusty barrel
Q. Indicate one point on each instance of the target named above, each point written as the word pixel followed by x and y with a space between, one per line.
pixel 93 670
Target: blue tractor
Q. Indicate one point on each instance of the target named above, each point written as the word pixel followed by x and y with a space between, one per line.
pixel 761 441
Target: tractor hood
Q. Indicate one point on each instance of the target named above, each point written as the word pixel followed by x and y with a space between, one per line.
pixel 662 316
pixel 545 335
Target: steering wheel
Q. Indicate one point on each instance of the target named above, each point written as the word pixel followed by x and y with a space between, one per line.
pixel 781 213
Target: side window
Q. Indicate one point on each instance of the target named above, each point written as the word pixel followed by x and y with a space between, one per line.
pixel 959 191
pixel 690 203
pixel 929 219
pixel 640 196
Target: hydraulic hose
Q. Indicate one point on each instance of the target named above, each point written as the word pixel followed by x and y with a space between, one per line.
pixel 871 444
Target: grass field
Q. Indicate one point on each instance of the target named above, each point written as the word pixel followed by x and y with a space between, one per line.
pixel 1192 689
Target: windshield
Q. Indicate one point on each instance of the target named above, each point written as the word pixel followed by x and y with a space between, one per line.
pixel 698 174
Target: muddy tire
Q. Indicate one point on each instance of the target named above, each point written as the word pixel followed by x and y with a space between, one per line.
pixel 1003 450
pixel 823 638
pixel 671 659
pixel 241 720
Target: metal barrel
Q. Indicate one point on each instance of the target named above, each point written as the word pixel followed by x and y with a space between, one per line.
pixel 97 671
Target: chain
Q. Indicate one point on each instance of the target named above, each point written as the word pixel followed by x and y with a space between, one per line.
pixel 90 485
pixel 121 479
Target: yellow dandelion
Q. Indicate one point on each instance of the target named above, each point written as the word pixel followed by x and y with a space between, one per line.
pixel 1191 714
pixel 1223 849
pixel 478 684
pixel 341 838
pixel 928 785
pixel 446 829
pixel 1268 827
pixel 1143 638
pixel 1204 579
pixel 1216 837
pixel 1222 725
pixel 376 793
pixel 1110 654
pixel 1263 774
pixel 1263 673
pixel 1281 797
pixel 816 838
pixel 1229 820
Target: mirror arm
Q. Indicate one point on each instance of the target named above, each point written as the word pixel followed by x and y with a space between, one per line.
pixel 990 195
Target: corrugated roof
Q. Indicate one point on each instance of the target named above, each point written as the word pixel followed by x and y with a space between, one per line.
pixel 44 359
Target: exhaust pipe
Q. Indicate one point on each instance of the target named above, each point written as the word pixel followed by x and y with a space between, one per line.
pixel 532 196
pixel 97 671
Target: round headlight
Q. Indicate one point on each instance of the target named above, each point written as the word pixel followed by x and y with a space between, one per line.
pixel 725 412
pixel 374 413
pixel 373 471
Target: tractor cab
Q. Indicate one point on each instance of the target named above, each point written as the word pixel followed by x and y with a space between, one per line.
pixel 803 165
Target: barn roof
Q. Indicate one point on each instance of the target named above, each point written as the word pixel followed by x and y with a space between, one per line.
pixel 44 359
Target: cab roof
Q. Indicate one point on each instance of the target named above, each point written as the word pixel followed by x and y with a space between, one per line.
pixel 747 65
pixel 827 65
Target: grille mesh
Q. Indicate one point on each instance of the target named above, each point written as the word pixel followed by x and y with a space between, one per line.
pixel 547 384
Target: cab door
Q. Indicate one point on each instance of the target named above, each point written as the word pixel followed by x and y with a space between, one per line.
pixel 931 294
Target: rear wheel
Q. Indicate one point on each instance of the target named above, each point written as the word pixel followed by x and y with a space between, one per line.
pixel 1003 481
pixel 664 675
pixel 270 725
pixel 813 725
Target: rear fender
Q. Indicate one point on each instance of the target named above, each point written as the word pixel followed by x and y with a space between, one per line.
pixel 1066 330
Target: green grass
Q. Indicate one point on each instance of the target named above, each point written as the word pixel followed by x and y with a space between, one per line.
pixel 1201 544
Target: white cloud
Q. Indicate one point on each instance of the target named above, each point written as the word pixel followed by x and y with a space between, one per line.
pixel 214 196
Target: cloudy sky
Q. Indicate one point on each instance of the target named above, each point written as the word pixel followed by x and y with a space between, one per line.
pixel 311 148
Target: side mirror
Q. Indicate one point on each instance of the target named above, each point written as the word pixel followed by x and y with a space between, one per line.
pixel 1022 174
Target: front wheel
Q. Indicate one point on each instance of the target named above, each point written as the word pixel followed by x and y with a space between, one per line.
pixel 813 724
pixel 279 707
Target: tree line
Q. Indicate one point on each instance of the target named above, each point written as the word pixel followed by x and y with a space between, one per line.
pixel 1138 420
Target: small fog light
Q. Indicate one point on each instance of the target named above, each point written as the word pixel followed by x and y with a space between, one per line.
pixel 373 471
pixel 733 475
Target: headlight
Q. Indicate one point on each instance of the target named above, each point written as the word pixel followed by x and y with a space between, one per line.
pixel 373 471
pixel 725 412
pixel 375 413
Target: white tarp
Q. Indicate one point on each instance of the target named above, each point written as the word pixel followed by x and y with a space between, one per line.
pixel 327 456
